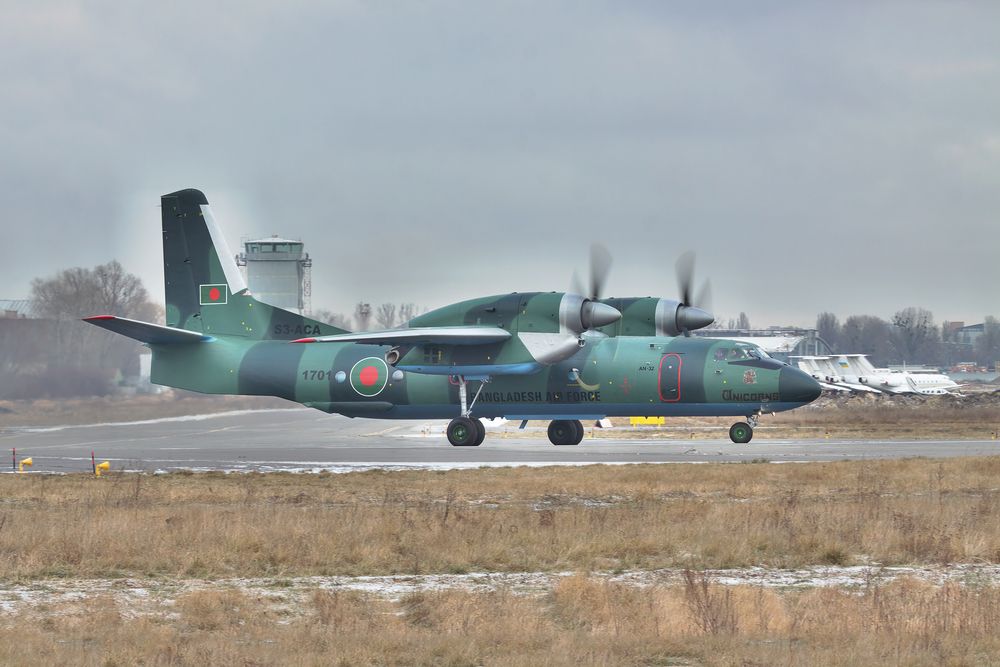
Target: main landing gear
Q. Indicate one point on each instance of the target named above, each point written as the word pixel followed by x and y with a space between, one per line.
pixel 565 432
pixel 466 431
pixel 742 432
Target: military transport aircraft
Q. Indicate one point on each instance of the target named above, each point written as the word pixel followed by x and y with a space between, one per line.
pixel 540 356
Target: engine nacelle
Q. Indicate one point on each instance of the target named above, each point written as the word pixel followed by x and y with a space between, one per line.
pixel 577 314
pixel 672 318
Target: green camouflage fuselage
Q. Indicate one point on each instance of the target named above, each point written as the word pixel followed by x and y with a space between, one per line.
pixel 606 377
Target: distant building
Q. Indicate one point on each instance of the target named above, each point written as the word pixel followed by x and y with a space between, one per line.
pixel 278 272
pixel 968 335
pixel 780 343
pixel 22 309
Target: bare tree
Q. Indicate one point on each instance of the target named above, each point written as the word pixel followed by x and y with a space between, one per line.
pixel 69 294
pixel 79 353
pixel 407 311
pixel 385 315
pixel 828 328
pixel 743 322
pixel 915 334
pixel 329 317
pixel 987 347
pixel 867 334
pixel 121 293
pixel 362 315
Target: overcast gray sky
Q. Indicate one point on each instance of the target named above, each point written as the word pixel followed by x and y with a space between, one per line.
pixel 816 156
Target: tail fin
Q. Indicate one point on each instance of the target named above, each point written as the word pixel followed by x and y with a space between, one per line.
pixel 205 291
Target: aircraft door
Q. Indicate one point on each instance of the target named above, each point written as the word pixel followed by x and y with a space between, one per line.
pixel 670 377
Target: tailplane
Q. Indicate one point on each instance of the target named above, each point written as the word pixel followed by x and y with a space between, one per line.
pixel 144 332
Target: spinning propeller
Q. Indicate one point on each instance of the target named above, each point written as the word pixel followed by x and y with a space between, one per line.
pixel 689 315
pixel 593 313
pixel 671 317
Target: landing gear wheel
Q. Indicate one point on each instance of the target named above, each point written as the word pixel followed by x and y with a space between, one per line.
pixel 565 432
pixel 740 433
pixel 462 432
pixel 480 432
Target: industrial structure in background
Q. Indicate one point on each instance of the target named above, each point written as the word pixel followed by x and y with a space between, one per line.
pixel 278 272
pixel 781 343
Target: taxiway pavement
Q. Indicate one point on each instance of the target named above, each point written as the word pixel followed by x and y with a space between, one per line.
pixel 307 440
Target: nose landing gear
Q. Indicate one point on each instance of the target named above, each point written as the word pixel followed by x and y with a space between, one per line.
pixel 742 432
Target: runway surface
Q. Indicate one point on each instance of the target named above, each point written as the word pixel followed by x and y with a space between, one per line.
pixel 307 440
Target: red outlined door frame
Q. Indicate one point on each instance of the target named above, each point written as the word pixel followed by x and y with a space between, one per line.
pixel 677 383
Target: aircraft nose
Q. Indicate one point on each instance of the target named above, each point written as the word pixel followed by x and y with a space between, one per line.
pixel 794 386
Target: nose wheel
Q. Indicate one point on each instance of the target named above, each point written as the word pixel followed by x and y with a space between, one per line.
pixel 742 432
pixel 565 432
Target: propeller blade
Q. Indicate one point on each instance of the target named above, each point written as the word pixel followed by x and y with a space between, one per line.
pixel 600 267
pixel 575 286
pixel 685 276
pixel 704 299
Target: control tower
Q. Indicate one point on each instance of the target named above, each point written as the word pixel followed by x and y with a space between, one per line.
pixel 278 272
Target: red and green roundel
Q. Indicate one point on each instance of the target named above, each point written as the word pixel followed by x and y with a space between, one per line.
pixel 369 376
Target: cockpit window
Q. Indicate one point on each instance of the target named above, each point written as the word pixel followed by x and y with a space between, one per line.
pixel 740 352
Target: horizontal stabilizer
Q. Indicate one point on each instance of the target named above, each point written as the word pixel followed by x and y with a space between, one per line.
pixel 419 336
pixel 152 334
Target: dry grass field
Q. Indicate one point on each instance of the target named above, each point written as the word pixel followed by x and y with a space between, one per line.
pixel 579 622
pixel 594 517
pixel 157 529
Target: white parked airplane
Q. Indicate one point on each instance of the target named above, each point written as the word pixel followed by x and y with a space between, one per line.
pixel 832 374
pixel 855 373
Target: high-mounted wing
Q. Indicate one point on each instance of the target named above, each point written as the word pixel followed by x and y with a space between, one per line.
pixel 151 334
pixel 419 336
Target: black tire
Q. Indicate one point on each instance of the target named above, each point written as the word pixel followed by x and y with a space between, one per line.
pixel 578 438
pixel 563 432
pixel 480 432
pixel 740 433
pixel 462 432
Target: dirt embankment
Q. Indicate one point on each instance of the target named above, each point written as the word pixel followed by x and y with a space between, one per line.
pixel 104 409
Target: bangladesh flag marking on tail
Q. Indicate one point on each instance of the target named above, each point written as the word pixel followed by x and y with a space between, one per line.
pixel 369 376
pixel 213 295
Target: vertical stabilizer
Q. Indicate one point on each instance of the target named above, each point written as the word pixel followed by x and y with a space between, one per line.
pixel 204 289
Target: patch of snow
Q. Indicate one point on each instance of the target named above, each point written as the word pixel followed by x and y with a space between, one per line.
pixel 163 420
